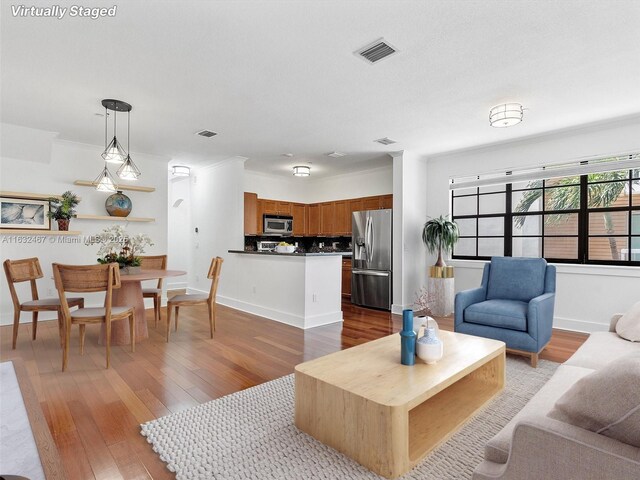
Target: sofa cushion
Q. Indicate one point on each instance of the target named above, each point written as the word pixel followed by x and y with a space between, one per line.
pixel 510 314
pixel 606 401
pixel 600 349
pixel 628 326
pixel 516 278
pixel 497 449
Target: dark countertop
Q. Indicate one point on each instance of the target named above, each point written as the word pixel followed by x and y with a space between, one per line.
pixel 319 254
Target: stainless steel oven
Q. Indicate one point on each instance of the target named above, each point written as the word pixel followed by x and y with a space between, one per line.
pixel 277 225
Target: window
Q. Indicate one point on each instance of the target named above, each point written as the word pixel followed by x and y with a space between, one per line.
pixel 592 218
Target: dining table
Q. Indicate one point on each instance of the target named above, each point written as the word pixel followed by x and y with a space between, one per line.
pixel 130 295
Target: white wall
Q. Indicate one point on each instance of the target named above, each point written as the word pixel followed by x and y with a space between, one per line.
pixel 409 216
pixel 587 295
pixel 365 183
pixel 29 164
pixel 217 211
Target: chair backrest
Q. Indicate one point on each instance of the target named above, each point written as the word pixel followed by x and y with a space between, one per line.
pixel 86 278
pixel 520 279
pixel 214 275
pixel 27 269
pixel 154 262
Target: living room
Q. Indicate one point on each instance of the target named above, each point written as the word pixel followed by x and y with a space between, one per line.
pixel 299 115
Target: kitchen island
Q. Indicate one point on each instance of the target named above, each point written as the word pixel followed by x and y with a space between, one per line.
pixel 299 289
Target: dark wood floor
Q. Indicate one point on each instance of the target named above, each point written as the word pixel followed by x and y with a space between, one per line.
pixel 94 413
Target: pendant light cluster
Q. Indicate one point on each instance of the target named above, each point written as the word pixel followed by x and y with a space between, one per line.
pixel 114 152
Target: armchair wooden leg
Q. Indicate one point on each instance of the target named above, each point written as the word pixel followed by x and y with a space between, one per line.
pixel 60 328
pixel 82 329
pixel 132 331
pixel 169 308
pixel 108 342
pixel 211 319
pixel 16 324
pixel 34 323
pixel 534 360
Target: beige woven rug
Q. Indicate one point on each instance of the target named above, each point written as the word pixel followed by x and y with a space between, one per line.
pixel 250 435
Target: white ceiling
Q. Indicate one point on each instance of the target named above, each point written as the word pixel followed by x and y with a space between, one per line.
pixel 279 76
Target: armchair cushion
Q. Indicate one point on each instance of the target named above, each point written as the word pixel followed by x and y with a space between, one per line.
pixel 511 314
pixel 516 278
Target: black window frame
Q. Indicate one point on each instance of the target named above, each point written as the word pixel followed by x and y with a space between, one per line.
pixel 582 212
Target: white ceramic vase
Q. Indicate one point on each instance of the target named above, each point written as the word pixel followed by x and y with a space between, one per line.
pixel 429 347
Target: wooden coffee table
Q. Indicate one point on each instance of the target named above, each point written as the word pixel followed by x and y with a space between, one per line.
pixel 387 416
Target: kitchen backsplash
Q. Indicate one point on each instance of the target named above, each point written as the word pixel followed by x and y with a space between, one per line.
pixel 305 244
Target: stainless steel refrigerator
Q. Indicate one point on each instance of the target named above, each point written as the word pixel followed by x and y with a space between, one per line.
pixel 371 262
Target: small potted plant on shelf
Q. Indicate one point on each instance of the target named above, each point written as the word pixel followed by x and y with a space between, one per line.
pixel 118 247
pixel 439 236
pixel 62 209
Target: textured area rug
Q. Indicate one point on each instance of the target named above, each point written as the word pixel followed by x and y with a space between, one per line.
pixel 250 435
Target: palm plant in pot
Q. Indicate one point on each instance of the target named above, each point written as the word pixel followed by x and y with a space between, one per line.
pixel 62 208
pixel 439 236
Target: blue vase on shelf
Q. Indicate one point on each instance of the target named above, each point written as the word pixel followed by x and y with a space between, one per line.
pixel 407 339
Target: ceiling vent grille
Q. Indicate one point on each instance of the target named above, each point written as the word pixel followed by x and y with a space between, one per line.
pixel 376 51
pixel 336 154
pixel 385 141
pixel 206 133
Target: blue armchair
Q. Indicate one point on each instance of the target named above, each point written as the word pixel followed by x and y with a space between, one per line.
pixel 514 304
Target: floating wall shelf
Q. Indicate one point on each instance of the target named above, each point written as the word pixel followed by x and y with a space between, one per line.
pixel 26 231
pixel 134 188
pixel 34 196
pixel 114 219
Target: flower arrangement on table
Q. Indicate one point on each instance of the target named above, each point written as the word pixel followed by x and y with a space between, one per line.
pixel 423 305
pixel 117 246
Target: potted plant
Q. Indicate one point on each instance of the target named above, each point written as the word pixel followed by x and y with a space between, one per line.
pixel 118 247
pixel 440 235
pixel 62 209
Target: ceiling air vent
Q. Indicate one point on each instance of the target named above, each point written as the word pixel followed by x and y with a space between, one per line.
pixel 336 154
pixel 376 51
pixel 385 141
pixel 206 133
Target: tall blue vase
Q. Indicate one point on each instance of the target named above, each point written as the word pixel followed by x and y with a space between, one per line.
pixel 407 339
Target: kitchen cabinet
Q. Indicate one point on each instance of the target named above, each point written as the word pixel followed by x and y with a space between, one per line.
pixel 346 277
pixel 259 211
pixel 299 213
pixel 283 208
pixel 386 201
pixel 250 213
pixel 342 217
pixel 327 218
pixel 269 206
pixel 313 216
pixel 371 203
pixel 355 205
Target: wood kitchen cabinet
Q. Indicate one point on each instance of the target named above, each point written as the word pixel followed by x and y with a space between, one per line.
pixel 283 208
pixel 250 213
pixel 327 218
pixel 313 219
pixel 346 277
pixel 371 203
pixel 299 213
pixel 386 201
pixel 342 217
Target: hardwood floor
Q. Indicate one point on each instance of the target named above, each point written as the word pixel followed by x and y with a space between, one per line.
pixel 94 413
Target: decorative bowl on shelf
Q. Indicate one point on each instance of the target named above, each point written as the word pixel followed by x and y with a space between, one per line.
pixel 285 249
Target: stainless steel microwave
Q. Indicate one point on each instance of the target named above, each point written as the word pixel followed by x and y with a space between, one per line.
pixel 277 225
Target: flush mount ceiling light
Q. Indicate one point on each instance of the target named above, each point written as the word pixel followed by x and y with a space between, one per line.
pixel 105 182
pixel 506 115
pixel 301 171
pixel 180 171
pixel 113 152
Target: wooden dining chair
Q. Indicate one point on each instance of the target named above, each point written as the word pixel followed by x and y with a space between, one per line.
pixel 91 278
pixel 154 262
pixel 28 269
pixel 188 300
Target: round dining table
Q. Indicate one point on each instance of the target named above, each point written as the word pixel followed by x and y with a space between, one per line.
pixel 130 295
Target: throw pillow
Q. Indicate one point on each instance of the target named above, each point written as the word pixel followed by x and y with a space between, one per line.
pixel 628 326
pixel 606 401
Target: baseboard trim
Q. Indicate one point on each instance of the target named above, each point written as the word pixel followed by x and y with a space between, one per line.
pixel 298 321
pixel 574 325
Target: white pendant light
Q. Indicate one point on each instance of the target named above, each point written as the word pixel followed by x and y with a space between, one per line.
pixel 180 171
pixel 506 115
pixel 104 182
pixel 113 152
pixel 301 171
